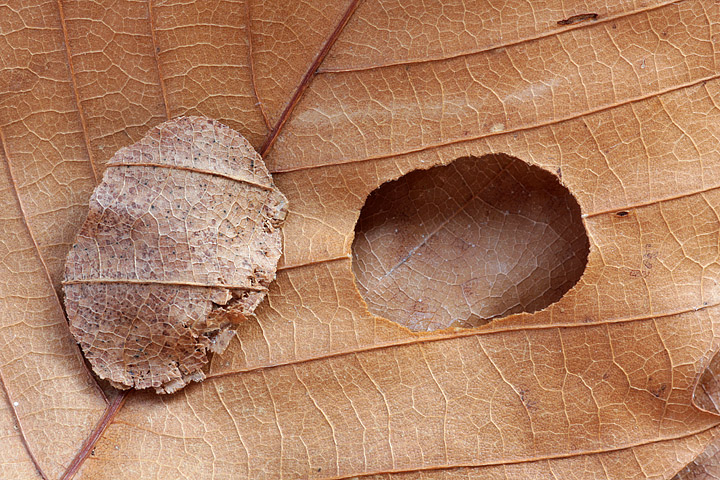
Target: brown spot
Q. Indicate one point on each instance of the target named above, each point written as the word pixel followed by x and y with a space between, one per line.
pixel 583 17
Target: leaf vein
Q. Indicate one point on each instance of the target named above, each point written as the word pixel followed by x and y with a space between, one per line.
pixel 23 439
pixel 428 338
pixel 157 60
pixel 76 95
pixel 532 38
pixel 559 456
pixel 523 128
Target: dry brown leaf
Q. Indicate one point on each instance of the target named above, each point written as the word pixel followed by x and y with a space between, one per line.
pixel 179 246
pixel 340 98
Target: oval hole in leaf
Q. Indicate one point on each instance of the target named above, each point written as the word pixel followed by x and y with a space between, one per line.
pixel 458 245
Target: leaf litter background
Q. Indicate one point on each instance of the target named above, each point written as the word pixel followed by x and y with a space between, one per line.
pixel 340 98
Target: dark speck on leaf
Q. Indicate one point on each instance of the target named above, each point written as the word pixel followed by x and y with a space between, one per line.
pixel 583 17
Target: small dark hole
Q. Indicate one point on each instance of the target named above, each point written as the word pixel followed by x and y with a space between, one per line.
pixel 624 213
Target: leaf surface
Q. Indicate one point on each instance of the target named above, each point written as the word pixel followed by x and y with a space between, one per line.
pixel 340 98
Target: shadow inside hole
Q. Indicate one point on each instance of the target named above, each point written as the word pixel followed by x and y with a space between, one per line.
pixel 458 245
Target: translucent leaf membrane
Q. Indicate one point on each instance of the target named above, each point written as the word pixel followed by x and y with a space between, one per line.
pixel 179 247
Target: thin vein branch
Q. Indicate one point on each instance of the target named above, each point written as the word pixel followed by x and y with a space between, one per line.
pixel 651 202
pixel 546 33
pixel 495 328
pixel 139 281
pixel 157 60
pixel 81 113
pixel 307 78
pixel 195 170
pixel 20 429
pixel 314 262
pixel 251 65
pixel 21 208
pixel 541 458
pixel 523 128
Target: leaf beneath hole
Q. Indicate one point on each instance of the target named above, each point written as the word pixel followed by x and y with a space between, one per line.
pixel 180 245
pixel 461 244
pixel 598 385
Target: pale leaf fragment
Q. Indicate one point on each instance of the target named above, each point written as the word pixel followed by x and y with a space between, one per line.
pixel 180 244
